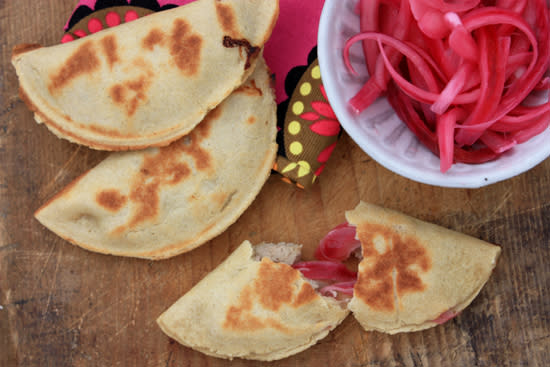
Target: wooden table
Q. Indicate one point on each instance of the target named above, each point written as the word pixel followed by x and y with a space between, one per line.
pixel 63 306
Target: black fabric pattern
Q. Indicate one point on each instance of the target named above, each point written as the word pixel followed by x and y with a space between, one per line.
pixel 80 13
pixel 103 4
pixel 148 4
pixel 83 11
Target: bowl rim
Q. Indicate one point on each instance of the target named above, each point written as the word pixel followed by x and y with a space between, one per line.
pixel 449 179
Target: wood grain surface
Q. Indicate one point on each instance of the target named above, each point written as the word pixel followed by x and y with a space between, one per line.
pixel 64 306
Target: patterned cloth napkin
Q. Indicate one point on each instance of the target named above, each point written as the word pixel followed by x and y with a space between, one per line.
pixel 307 127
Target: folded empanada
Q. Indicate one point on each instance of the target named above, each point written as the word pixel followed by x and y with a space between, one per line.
pixel 147 82
pixel 160 202
pixel 252 308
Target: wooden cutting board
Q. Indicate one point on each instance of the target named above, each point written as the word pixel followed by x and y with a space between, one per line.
pixel 63 306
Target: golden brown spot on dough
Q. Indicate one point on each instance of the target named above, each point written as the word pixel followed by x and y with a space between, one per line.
pixel 25 47
pixel 203 129
pixel 251 120
pixel 161 169
pixel 166 168
pixel 132 93
pixel 139 87
pixel 404 255
pixel 377 293
pixel 111 199
pixel 185 47
pixel 110 47
pixel 227 19
pixel 83 61
pixel 307 295
pixel 236 319
pixel 250 89
pixel 118 93
pixel 239 317
pixel 274 284
pixel 273 288
pixel 200 156
pixel 142 64
pixel 409 255
pixel 191 143
pixel 153 38
pixel 147 196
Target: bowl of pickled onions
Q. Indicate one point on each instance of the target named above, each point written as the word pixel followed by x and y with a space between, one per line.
pixel 447 93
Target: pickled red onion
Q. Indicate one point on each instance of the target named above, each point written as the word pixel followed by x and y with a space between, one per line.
pixel 483 57
pixel 338 244
pixel 445 316
pixel 325 270
pixel 335 247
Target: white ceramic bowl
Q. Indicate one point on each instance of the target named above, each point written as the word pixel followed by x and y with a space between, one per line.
pixel 382 135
